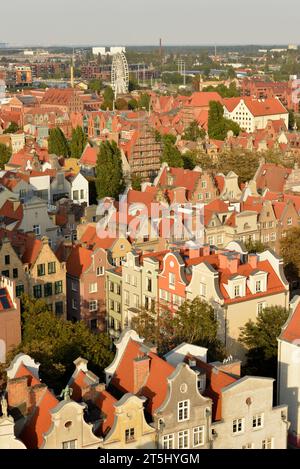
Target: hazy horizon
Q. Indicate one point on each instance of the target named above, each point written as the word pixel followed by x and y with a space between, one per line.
pixel 141 23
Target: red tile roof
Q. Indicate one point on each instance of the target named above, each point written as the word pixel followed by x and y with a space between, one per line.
pixel 32 250
pixel 105 402
pixel 257 107
pixel 79 260
pixel 203 98
pixel 272 176
pixel 291 330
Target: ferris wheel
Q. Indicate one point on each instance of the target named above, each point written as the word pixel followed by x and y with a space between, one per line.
pixel 119 74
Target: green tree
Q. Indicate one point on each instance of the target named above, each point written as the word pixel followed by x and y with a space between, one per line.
pixel 108 99
pixel 243 163
pixel 5 155
pixel 290 252
pixel 193 132
pixel 194 322
pixel 171 155
pixel 218 125
pixel 255 246
pixel 56 343
pixel 95 85
pixel 109 172
pixel 78 142
pixel 57 143
pixel 144 101
pixel 190 159
pixel 260 339
pixel 133 104
pixel 12 128
pixel 136 182
pixel 292 120
pixel 121 104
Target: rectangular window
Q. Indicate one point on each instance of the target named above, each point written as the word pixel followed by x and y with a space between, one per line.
pixel 268 443
pixel 273 237
pixel 41 270
pixel 93 305
pixel 168 441
pixel 129 435
pixel 258 286
pixel 74 286
pixel 126 298
pixel 260 307
pixel 74 304
pixel 111 287
pixel 59 308
pixel 203 290
pixel 136 302
pixel 237 291
pixel 134 281
pixel 48 289
pixel 36 229
pixel 118 289
pixel 258 421
pixel 149 284
pixel 183 439
pixel 5 273
pixel 51 267
pixel 93 287
pixel 100 271
pixel 93 324
pixel 7 260
pixel 37 291
pixel 69 444
pixel 198 436
pixel 75 195
pixel 238 426
pixel 112 305
pixel 118 307
pixel 248 446
pixel 19 290
pixel 172 280
pixel 58 287
pixel 183 410
pixel 81 194
pixel 290 221
pixel 15 273
pixel 127 278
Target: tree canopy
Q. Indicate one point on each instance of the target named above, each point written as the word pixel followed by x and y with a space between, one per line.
pixel 260 339
pixel 56 343
pixel 193 132
pixel 57 143
pixel 78 142
pixel 109 172
pixel 218 125
pixel 194 322
pixel 12 128
pixel 290 252
pixel 5 154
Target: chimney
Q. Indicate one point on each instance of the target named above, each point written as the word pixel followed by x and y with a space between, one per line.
pixel 194 252
pixel 17 392
pixel 35 395
pixel 141 367
pixel 229 261
pixel 205 250
pixel 253 260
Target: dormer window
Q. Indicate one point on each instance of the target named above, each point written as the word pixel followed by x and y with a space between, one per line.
pixel 237 291
pixel 258 286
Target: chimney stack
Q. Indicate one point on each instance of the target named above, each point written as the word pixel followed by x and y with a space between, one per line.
pixel 141 367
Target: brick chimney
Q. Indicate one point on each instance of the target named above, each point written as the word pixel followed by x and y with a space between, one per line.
pixel 253 260
pixel 205 250
pixel 229 261
pixel 194 252
pixel 17 392
pixel 141 367
pixel 35 395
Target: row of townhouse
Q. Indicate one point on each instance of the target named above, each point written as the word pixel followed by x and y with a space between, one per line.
pixel 176 402
pixel 35 269
pixel 238 285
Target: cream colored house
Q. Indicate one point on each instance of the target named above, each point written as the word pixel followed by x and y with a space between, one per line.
pixel 249 420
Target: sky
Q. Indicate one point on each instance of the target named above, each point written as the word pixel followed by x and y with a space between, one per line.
pixel 143 22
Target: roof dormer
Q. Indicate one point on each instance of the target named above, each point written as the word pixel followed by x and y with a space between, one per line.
pixel 236 286
pixel 258 281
